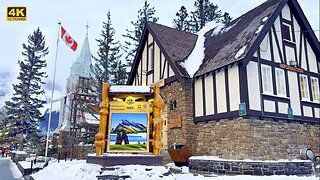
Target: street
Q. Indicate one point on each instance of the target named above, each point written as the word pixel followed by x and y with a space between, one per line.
pixel 8 170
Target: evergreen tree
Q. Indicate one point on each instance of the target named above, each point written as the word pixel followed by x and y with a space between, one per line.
pixel 226 17
pixel 181 23
pixel 109 54
pixel 119 73
pixel 23 112
pixel 206 12
pixel 134 36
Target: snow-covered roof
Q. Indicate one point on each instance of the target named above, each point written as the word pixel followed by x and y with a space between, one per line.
pixel 193 62
pixel 233 42
pixel 131 89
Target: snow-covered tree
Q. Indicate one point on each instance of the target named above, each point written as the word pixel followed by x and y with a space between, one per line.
pixel 181 23
pixel 22 111
pixel 134 36
pixel 108 56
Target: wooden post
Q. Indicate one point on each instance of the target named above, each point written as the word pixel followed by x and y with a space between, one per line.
pixel 100 137
pixel 158 105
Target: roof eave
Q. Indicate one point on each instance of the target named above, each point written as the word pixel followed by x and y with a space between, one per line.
pixel 138 55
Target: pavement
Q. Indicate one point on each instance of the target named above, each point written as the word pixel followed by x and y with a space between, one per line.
pixel 8 170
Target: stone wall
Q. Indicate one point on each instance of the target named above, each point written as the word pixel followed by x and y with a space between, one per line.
pixel 252 167
pixel 238 138
pixel 182 95
pixel 255 139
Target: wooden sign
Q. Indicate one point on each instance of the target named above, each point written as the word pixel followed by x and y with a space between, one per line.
pixel 291 68
pixel 175 122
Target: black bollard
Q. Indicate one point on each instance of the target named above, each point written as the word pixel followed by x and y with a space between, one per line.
pixel 65 156
pixel 58 157
pixel 31 166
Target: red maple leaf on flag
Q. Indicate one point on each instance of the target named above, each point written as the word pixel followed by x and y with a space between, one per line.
pixel 68 39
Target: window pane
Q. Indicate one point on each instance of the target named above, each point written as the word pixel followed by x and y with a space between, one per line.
pixel 304 87
pixel 315 89
pixel 150 57
pixel 286 32
pixel 266 79
pixel 280 80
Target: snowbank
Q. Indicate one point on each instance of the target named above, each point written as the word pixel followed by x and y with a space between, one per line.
pixel 76 169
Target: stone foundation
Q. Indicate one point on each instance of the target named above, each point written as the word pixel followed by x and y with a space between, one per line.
pixel 238 138
pixel 252 167
pixel 254 139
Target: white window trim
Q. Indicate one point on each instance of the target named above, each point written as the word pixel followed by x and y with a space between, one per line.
pixel 290 32
pixel 271 80
pixel 306 89
pixel 284 82
pixel 317 89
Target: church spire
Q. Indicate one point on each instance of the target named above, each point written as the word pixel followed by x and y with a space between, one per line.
pixel 81 66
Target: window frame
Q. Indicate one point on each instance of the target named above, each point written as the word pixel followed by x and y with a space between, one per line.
pixel 315 89
pixel 304 88
pixel 282 82
pixel 285 25
pixel 151 57
pixel 270 82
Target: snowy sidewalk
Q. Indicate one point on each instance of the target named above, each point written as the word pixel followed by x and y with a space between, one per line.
pixel 8 170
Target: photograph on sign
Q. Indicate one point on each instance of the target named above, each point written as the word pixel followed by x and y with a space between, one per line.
pixel 128 132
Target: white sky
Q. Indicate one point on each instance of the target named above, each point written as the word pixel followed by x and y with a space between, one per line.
pixel 74 15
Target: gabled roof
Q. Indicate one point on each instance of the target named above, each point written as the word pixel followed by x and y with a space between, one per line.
pixel 237 41
pixel 243 35
pixel 174 44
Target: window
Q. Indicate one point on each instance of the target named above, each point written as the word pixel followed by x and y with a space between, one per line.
pixel 304 87
pixel 315 89
pixel 286 31
pixel 150 57
pixel 281 83
pixel 266 79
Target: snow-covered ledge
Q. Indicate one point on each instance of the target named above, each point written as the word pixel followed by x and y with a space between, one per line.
pixel 251 167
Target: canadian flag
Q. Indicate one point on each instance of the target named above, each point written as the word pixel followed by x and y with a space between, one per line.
pixel 68 39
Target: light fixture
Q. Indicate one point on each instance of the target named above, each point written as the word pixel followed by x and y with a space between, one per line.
pixel 292 63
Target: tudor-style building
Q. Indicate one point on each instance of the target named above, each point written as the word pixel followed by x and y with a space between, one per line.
pixel 267 60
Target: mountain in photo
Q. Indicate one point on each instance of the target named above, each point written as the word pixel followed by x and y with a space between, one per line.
pixel 129 127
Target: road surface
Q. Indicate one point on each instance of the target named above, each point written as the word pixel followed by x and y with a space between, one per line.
pixel 8 170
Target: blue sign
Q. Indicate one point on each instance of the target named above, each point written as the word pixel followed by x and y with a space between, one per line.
pixel 242 109
pixel 290 113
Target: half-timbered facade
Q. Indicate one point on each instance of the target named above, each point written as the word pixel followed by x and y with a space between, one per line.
pixel 277 72
pixel 255 91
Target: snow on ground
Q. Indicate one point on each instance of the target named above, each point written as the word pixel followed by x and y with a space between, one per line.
pixel 69 170
pixel 27 165
pixel 14 170
pixel 78 169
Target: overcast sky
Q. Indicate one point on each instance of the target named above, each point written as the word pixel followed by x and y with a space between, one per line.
pixel 74 15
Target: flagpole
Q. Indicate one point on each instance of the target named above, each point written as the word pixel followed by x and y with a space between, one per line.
pixel 52 92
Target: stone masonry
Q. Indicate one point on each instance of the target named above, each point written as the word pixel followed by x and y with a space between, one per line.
pixel 238 138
